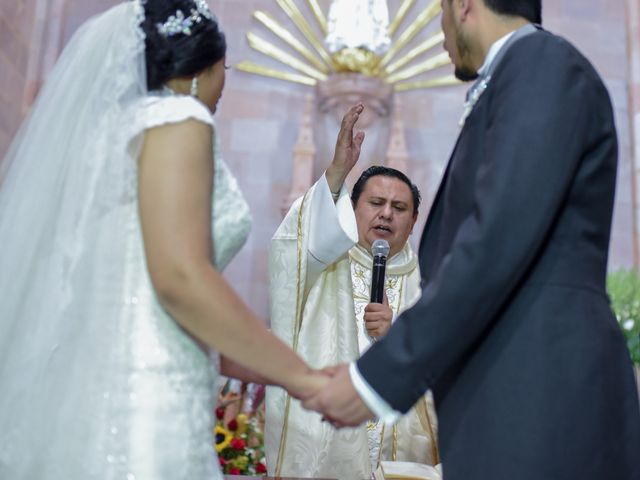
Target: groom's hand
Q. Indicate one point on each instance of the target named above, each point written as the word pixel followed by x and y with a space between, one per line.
pixel 338 400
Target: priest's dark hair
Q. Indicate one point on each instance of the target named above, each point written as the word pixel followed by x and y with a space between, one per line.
pixel 376 170
pixel 179 55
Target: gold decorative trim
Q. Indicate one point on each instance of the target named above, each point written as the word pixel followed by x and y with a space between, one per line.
pixel 432 63
pixel 250 67
pixel 276 53
pixel 422 411
pixel 400 16
pixel 359 60
pixel 284 34
pixel 320 18
pixel 434 82
pixel 435 451
pixel 296 334
pixel 301 23
pixel 425 46
pixel 381 445
pixel 412 30
pixel 394 444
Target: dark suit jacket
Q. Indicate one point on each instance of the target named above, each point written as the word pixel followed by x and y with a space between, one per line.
pixel 514 332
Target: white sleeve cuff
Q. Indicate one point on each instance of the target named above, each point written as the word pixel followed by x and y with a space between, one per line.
pixel 333 230
pixel 380 408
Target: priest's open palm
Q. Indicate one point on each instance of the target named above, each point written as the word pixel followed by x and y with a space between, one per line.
pixel 347 150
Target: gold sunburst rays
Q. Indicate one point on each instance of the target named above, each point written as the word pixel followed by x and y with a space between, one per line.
pixel 443 81
pixel 432 63
pixel 400 16
pixel 421 21
pixel 301 23
pixel 251 67
pixel 276 53
pixel 414 53
pixel 284 34
pixel 319 14
pixel 314 64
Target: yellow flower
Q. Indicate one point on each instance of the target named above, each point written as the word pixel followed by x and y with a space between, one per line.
pixel 223 438
pixel 242 420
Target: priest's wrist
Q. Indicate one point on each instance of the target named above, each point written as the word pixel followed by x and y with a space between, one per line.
pixel 335 180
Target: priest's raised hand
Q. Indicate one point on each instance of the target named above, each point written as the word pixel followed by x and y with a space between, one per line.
pixel 347 149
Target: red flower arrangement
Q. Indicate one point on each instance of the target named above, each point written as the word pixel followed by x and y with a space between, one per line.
pixel 239 440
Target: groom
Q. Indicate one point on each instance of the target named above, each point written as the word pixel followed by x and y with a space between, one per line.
pixel 513 332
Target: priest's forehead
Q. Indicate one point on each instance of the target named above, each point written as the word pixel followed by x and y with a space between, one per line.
pixel 378 170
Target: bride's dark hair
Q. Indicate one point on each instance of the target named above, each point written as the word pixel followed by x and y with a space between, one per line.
pixel 179 55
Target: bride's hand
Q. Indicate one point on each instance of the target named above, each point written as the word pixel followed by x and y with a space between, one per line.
pixel 307 384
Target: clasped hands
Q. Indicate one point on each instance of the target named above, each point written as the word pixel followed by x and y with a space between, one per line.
pixel 330 391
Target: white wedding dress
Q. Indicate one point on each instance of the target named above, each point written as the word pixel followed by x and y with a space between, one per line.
pixel 97 381
pixel 147 411
pixel 163 422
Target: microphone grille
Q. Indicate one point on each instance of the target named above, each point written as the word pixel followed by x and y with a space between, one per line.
pixel 380 247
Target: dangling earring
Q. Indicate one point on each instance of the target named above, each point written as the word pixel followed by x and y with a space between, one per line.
pixel 194 86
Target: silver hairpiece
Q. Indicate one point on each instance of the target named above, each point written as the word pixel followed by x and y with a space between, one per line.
pixel 180 24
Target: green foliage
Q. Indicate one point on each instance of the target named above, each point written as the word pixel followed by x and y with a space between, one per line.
pixel 624 290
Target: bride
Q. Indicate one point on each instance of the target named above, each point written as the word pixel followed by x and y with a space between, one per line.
pixel 116 216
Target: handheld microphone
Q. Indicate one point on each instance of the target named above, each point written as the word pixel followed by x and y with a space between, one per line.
pixel 379 250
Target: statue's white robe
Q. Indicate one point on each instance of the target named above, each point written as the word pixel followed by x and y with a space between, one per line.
pixel 319 284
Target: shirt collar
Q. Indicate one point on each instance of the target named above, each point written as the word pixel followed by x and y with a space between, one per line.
pixel 402 263
pixel 493 51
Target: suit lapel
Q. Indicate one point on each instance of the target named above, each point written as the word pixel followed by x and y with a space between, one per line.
pixel 430 232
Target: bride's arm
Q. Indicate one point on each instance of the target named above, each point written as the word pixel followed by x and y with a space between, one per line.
pixel 232 369
pixel 175 191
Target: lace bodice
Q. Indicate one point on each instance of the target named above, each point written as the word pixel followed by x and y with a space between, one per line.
pixel 231 220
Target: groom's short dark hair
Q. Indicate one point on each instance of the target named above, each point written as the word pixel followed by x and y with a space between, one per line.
pixel 530 10
pixel 376 170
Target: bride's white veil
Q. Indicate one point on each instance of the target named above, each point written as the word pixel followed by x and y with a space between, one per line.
pixel 62 261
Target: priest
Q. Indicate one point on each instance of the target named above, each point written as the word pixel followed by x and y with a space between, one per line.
pixel 320 273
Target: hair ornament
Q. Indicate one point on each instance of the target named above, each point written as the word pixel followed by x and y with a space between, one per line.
pixel 179 24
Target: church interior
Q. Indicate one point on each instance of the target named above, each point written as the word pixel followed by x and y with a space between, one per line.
pixel 296 66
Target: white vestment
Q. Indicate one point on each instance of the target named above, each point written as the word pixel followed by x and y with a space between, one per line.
pixel 319 286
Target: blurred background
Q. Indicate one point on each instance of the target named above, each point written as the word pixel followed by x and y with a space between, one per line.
pixel 277 134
